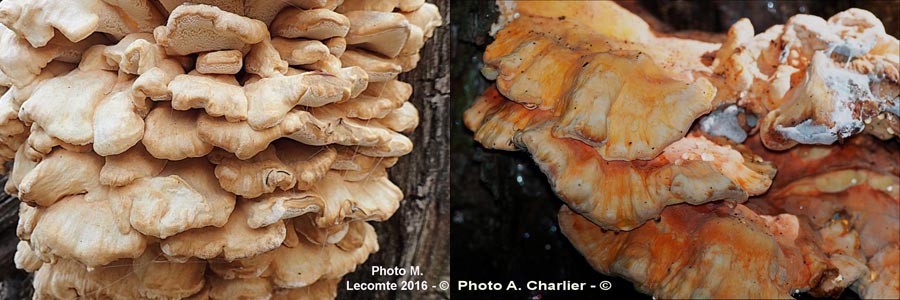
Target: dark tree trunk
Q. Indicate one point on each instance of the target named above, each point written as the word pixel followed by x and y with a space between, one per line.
pixel 14 284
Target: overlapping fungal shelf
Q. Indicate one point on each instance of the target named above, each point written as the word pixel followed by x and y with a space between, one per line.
pixel 212 149
pixel 642 135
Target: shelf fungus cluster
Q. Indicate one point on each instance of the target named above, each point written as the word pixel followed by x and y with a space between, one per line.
pixel 212 149
pixel 642 134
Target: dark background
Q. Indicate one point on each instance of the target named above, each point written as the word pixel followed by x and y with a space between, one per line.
pixel 503 212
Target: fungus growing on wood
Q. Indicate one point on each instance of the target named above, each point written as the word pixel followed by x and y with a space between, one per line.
pixel 611 113
pixel 216 133
pixel 692 247
pixel 691 170
pixel 814 81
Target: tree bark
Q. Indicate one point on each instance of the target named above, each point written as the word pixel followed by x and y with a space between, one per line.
pixel 417 235
pixel 14 283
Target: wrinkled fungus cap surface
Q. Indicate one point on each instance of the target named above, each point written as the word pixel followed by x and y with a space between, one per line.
pixel 694 252
pixel 691 170
pixel 200 28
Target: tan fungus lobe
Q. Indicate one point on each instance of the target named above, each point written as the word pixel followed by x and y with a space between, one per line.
pixel 306 226
pixel 282 205
pixel 185 195
pixel 11 101
pixel 244 288
pixel 144 277
pixel 92 224
pixel 270 99
pixel 379 6
pixel 309 164
pixel 300 52
pixel 395 146
pixel 220 62
pixel 252 267
pixel 384 33
pixel 380 69
pixel 266 11
pixel 377 101
pixel 355 166
pixel 62 173
pixel 637 192
pixel 316 24
pixel 614 93
pixel 221 30
pixel 291 239
pixel 692 252
pixel 334 200
pixel 322 289
pixel 174 135
pixel 601 68
pixel 21 63
pixel 163 279
pixel 373 199
pixel 264 60
pixel 70 121
pixel 232 6
pixel 291 270
pixel 118 124
pixel 336 46
pixel 426 18
pixel 245 142
pixel 40 144
pixel 234 240
pixel 94 59
pixel 124 168
pixel 404 119
pixel 261 174
pixel 153 84
pixel 38 20
pixel 353 239
pixel 25 258
pixel 218 95
pixel 346 131
pixel 20 169
pixel 134 54
pixel 67 279
pixel 28 217
pixel 9 146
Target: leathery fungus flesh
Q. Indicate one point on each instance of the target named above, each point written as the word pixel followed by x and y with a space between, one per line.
pixel 641 134
pixel 204 149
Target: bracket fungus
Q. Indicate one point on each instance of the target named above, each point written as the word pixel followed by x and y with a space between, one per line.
pixel 691 170
pixel 813 81
pixel 631 125
pixel 204 149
